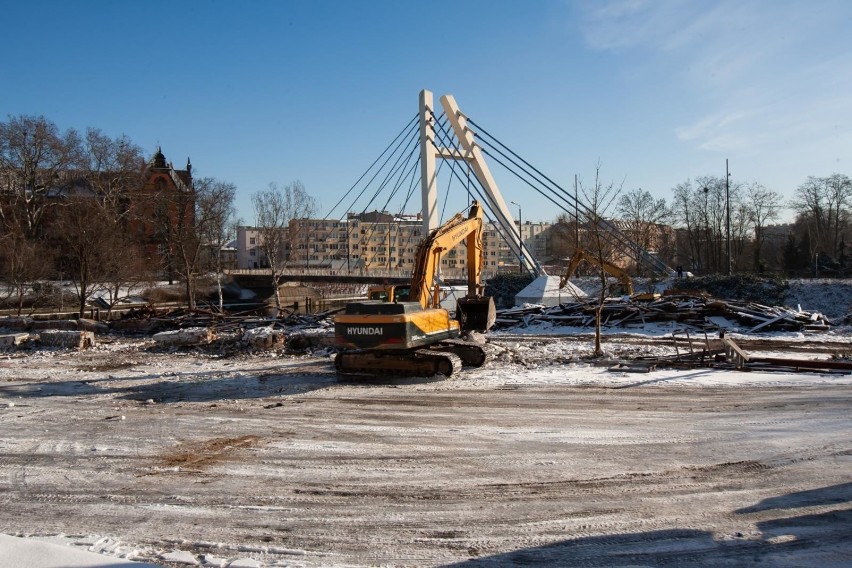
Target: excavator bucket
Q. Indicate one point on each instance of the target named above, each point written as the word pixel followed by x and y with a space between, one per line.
pixel 476 313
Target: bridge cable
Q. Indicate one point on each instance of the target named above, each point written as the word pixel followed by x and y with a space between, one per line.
pixel 399 168
pixel 502 229
pixel 611 232
pixel 498 223
pixel 409 142
pixel 408 127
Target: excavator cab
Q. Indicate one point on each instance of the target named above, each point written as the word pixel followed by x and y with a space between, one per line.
pixel 476 313
pixel 390 293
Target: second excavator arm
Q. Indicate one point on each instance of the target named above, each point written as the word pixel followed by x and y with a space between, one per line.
pixel 611 269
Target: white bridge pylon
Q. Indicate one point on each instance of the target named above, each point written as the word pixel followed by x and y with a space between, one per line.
pixel 471 153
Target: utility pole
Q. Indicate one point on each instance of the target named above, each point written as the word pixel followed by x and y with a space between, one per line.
pixel 521 235
pixel 576 216
pixel 728 215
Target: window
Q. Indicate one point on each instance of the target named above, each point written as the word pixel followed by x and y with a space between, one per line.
pixel 252 241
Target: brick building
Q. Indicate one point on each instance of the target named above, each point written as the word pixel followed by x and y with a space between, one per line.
pixel 162 206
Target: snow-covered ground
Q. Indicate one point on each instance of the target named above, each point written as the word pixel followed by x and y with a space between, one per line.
pixel 124 454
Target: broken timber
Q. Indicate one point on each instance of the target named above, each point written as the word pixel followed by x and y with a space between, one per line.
pixel 744 362
pixel 695 311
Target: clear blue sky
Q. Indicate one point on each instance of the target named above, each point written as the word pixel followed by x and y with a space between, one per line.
pixel 255 92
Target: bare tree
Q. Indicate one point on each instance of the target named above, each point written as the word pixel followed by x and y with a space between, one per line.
pixel 215 214
pixel 87 235
pixel 184 219
pixel 763 205
pixel 173 219
pixel 685 210
pixel 23 262
pixel 112 176
pixel 35 160
pixel 111 170
pixel 274 209
pixel 643 216
pixel 702 210
pixel 599 199
pixel 564 237
pixel 823 204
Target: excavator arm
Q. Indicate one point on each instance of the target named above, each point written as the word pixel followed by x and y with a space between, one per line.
pixel 429 252
pixel 611 269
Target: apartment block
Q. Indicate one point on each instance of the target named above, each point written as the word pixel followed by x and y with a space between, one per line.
pixel 381 243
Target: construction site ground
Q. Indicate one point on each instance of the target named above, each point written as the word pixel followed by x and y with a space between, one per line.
pixel 539 457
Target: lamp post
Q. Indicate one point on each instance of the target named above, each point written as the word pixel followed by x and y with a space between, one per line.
pixel 706 232
pixel 520 239
pixel 728 216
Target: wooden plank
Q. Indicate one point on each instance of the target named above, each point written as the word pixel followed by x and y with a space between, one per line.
pixel 769 322
pixel 734 353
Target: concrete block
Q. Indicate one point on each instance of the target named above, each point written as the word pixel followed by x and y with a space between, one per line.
pixel 67 325
pixel 12 340
pixel 16 322
pixel 67 338
pixel 185 337
pixel 95 327
pixel 132 325
pixel 264 338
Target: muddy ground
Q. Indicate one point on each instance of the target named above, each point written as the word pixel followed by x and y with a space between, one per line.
pixel 173 458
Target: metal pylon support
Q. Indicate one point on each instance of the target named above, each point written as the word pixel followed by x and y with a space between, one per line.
pixel 472 154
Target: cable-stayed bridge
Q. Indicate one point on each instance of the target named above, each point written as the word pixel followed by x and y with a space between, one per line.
pixel 450 144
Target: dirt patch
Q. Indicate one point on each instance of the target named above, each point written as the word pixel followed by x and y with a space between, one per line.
pixel 204 453
pixel 102 366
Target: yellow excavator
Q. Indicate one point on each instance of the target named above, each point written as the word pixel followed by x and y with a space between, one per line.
pixel 417 337
pixel 581 254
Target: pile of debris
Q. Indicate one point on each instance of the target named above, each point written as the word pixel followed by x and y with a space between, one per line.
pixel 698 311
pixel 153 321
pixel 171 329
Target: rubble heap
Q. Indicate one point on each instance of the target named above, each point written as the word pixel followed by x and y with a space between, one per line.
pixel 699 311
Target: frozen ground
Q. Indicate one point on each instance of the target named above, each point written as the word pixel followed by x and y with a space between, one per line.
pixel 539 457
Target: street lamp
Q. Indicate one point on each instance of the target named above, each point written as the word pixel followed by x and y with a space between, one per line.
pixel 706 232
pixel 728 216
pixel 520 239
